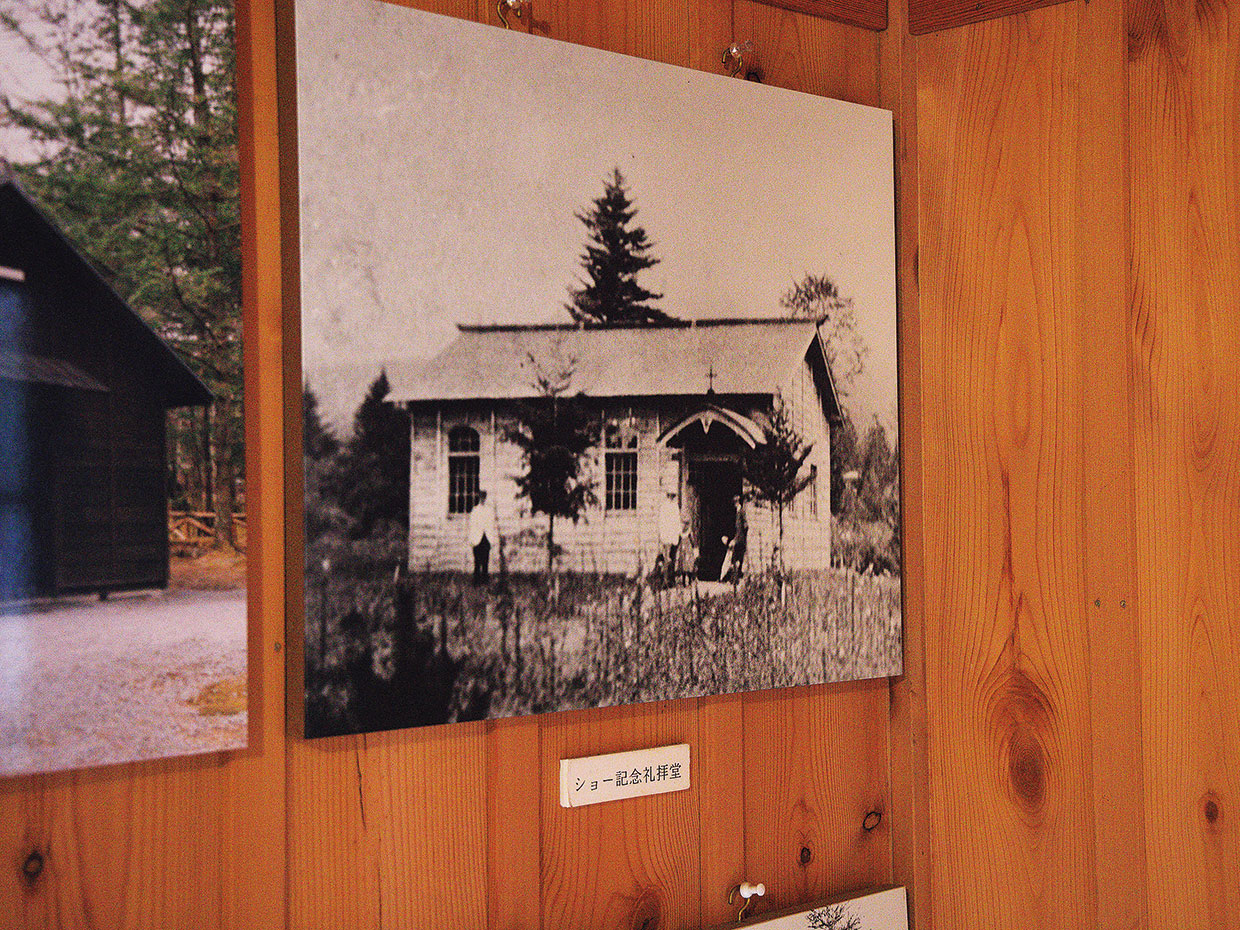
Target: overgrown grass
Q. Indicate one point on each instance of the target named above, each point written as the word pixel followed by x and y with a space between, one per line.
pixel 385 651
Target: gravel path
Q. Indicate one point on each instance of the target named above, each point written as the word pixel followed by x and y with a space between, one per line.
pixel 85 682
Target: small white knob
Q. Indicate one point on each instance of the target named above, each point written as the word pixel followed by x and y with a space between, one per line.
pixel 748 891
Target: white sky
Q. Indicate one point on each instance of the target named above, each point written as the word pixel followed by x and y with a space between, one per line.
pixel 442 163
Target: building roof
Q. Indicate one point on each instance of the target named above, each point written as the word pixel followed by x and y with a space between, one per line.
pixel 40 239
pixel 25 368
pixel 724 357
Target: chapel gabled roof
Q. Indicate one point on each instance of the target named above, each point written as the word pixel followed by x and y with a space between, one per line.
pixel 723 357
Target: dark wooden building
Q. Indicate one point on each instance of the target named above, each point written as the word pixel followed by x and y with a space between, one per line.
pixel 85 385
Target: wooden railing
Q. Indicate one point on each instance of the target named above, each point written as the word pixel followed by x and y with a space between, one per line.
pixel 195 529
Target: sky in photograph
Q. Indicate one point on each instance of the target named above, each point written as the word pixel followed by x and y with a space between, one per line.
pixel 442 164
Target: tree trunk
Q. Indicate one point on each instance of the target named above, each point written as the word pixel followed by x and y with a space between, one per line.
pixel 224 480
pixel 207 463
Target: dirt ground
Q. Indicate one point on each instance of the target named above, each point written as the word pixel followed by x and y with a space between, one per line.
pixel 85 682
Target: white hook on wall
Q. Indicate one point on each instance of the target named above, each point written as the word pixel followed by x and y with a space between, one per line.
pixel 747 891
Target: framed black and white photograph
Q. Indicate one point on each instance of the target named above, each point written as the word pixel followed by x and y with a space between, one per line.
pixel 599 377
pixel 122 460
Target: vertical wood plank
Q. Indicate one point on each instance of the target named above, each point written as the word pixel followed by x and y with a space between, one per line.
pixel 1184 97
pixel 719 769
pixel 1007 661
pixel 657 31
pixel 514 824
pixel 909 810
pixel 621 864
pixel 812 55
pixel 1111 608
pixel 816 765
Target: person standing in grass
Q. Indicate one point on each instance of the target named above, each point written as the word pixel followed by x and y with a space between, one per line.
pixel 483 534
pixel 734 561
pixel 669 535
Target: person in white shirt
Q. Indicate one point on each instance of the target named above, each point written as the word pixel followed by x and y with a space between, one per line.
pixel 483 534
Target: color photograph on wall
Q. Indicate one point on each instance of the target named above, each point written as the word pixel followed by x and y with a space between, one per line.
pixel 122 466
pixel 599 377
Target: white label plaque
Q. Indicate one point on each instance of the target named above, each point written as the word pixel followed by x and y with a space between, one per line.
pixel 594 779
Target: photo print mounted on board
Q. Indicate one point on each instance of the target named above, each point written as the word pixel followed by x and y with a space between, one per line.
pixel 122 467
pixel 883 909
pixel 599 377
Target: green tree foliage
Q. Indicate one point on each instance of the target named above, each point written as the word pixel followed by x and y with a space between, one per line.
pixel 373 477
pixel 137 162
pixel 775 469
pixel 555 432
pixel 817 297
pixel 615 252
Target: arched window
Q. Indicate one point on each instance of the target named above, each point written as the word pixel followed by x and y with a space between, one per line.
pixel 463 468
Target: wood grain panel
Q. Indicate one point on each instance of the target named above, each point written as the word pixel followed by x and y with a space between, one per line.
pixel 818 766
pixel 812 55
pixel 719 767
pixel 908 811
pixel 869 14
pixel 1006 648
pixel 927 16
pixel 1184 97
pixel 657 31
pixel 1112 608
pixel 624 864
pixel 514 824
pixel 193 842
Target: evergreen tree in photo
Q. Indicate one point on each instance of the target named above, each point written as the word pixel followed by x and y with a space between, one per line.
pixel 616 251
pixel 134 155
pixel 775 469
pixel 817 297
pixel 374 466
pixel 555 433
pixel 319 450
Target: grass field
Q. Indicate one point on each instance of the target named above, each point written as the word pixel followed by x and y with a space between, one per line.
pixel 384 650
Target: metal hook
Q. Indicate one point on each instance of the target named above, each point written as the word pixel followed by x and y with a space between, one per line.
pixel 734 57
pixel 748 892
pixel 516 6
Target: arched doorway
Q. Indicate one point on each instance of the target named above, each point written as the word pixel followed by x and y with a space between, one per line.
pixel 711 445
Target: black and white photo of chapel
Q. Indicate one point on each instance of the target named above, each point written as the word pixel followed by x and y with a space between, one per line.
pixel 593 413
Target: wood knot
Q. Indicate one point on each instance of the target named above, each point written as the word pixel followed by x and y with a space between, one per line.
pixel 1212 810
pixel 1023 720
pixel 1027 768
pixel 871 821
pixel 647 914
pixel 807 856
pixel 32 867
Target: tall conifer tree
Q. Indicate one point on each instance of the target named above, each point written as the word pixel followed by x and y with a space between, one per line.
pixel 615 252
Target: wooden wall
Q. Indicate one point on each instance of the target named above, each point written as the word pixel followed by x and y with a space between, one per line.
pixel 1079 286
pixel 1064 749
